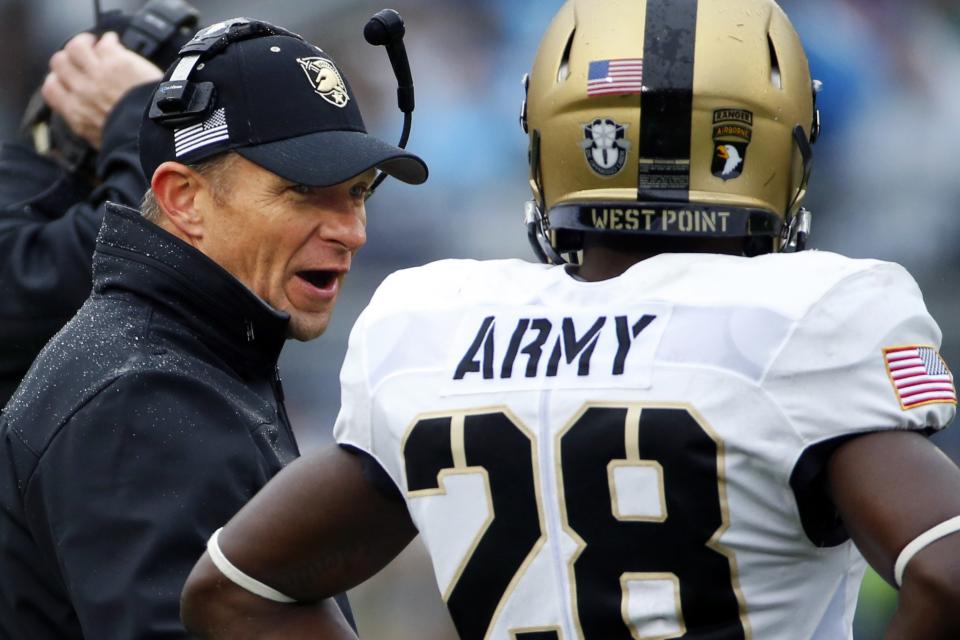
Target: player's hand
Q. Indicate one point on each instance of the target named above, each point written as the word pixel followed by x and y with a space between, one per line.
pixel 89 76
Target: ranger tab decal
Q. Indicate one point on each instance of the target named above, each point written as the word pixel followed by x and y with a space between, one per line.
pixel 732 133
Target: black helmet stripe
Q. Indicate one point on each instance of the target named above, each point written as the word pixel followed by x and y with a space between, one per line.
pixel 666 105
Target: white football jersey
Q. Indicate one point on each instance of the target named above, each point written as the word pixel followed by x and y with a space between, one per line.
pixel 641 457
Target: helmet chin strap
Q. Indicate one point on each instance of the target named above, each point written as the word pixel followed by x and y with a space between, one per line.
pixel 534 214
pixel 796 229
pixel 537 234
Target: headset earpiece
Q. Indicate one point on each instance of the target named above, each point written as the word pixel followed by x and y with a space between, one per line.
pixel 178 102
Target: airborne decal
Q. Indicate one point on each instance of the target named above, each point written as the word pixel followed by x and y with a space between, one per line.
pixel 732 132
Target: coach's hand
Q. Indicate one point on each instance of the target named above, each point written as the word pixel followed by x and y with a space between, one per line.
pixel 89 76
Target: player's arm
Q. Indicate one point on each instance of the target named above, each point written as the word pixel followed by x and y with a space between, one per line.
pixel 318 528
pixel 890 488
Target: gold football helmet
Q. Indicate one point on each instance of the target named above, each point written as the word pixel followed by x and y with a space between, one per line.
pixel 669 117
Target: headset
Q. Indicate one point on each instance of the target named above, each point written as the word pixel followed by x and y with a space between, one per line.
pixel 386 29
pixel 180 102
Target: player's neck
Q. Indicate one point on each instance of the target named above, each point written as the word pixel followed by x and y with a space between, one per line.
pixel 603 263
pixel 609 257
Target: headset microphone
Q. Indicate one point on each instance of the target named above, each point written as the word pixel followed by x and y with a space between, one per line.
pixel 386 29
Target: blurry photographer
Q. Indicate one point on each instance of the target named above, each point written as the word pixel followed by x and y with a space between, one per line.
pixel 80 150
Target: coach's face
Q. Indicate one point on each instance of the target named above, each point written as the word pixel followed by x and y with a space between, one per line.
pixel 290 244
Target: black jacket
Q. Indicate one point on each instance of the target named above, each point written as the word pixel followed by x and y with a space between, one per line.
pixel 151 418
pixel 48 227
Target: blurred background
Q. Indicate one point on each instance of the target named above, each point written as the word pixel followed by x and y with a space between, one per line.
pixel 885 181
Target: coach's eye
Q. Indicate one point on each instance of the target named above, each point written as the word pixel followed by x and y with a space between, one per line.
pixel 359 190
pixel 302 189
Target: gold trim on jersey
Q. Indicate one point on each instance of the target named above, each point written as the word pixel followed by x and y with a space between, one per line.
pixel 457 420
pixel 631 437
pixel 612 466
pixel 714 542
pixel 631 443
pixel 564 517
pixel 625 603
pixel 518 630
pixel 634 410
pixel 457 446
pixel 441 480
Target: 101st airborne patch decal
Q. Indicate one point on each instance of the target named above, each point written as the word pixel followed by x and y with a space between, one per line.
pixel 732 132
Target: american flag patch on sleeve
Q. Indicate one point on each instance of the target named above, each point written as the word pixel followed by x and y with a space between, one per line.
pixel 919 376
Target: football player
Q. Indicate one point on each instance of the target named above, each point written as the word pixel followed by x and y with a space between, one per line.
pixel 692 429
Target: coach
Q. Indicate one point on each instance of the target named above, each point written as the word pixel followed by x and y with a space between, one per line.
pixel 158 411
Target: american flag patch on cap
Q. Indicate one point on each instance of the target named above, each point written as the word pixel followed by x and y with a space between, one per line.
pixel 919 375
pixel 213 129
pixel 615 77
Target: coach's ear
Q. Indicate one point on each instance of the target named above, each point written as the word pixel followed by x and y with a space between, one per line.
pixel 176 188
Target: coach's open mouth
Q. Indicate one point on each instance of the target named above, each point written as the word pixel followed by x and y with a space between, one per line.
pixel 320 279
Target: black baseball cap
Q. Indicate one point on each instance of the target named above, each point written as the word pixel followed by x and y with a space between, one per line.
pixel 283 104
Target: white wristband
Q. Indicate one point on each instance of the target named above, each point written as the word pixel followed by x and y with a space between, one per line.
pixel 920 542
pixel 238 577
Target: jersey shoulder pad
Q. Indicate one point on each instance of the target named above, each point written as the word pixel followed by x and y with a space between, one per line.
pixel 835 374
pixel 455 283
pixel 785 284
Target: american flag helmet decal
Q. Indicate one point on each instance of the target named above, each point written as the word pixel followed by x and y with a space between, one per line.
pixel 615 77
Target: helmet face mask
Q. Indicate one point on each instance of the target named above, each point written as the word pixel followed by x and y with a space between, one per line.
pixel 670 117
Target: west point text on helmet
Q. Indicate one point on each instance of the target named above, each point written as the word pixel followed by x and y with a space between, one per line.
pixel 663 220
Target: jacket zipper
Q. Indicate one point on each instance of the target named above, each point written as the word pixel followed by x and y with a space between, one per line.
pixel 277 383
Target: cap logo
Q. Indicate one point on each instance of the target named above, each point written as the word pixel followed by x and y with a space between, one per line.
pixel 326 80
pixel 605 146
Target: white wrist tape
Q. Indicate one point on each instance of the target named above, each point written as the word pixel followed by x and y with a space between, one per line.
pixel 923 540
pixel 238 577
